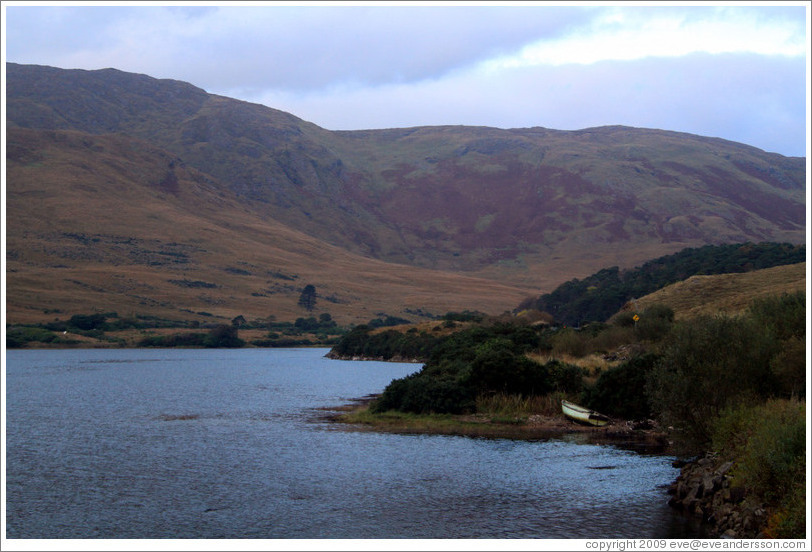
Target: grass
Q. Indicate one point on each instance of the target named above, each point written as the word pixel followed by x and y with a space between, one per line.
pixel 497 416
pixel 726 293
pixel 122 268
pixel 517 407
pixel 769 443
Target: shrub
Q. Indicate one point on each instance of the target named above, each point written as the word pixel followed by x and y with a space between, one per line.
pixel 570 342
pixel 496 368
pixel 619 390
pixel 789 368
pixel 420 394
pixel 20 336
pixel 708 364
pixel 784 316
pixel 87 321
pixel 769 441
pixel 467 364
pixel 223 335
pixel 655 322
pixel 566 378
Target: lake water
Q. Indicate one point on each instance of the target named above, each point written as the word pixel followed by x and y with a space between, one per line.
pixel 231 444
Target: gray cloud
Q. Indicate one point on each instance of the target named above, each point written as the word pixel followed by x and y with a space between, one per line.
pixel 293 48
pixel 383 66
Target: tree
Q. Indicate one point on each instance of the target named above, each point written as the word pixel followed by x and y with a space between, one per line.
pixel 223 335
pixel 307 299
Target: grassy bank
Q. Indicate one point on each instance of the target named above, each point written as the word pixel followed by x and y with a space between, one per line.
pixel 504 417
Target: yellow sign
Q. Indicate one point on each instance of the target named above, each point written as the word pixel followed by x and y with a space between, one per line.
pixel 635 318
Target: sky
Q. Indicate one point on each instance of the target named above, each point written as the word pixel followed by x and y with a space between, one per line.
pixel 738 71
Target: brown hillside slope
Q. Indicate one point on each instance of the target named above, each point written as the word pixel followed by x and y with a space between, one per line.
pixel 102 223
pixel 724 293
pixel 534 206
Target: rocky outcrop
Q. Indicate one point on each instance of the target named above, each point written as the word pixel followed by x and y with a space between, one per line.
pixel 703 490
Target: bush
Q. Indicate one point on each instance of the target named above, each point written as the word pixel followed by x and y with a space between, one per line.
pixel 497 368
pixel 789 368
pixel 619 391
pixel 784 316
pixel 708 364
pixel 223 336
pixel 655 322
pixel 565 378
pixel 420 394
pixel 87 321
pixel 571 342
pixel 769 441
pixel 20 336
pixel 175 340
pixel 465 365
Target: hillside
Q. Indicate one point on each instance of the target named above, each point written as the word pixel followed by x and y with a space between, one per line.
pixel 600 295
pixel 108 223
pixel 490 215
pixel 724 293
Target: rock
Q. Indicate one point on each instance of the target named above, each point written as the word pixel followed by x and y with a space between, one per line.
pixel 724 468
pixel 737 494
pixel 703 489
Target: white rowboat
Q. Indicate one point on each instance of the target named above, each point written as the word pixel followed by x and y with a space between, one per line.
pixel 583 415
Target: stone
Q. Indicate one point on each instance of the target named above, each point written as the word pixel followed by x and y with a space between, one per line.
pixel 724 468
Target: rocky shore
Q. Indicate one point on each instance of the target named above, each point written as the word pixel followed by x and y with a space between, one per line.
pixel 703 490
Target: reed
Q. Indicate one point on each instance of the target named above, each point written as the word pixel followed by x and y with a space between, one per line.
pixel 502 405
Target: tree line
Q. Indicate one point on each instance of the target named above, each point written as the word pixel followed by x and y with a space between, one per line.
pixel 601 295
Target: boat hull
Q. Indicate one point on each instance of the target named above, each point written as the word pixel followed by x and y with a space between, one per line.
pixel 583 415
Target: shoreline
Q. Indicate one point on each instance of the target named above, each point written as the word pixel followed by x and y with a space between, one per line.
pixel 701 490
pixel 643 438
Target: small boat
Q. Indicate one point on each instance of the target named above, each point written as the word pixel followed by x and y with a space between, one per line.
pixel 583 415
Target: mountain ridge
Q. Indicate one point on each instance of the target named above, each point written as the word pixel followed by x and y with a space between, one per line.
pixel 526 208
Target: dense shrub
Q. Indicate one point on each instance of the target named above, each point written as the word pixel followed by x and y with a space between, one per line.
pixel 565 378
pixel 420 394
pixel 654 322
pixel 784 316
pixel 468 364
pixel 769 442
pixel 384 345
pixel 789 368
pixel 498 368
pixel 20 336
pixel 602 294
pixel 708 364
pixel 221 336
pixel 174 340
pixel 87 321
pixel 619 391
pixel 571 342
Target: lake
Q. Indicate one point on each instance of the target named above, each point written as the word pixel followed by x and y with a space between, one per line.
pixel 233 444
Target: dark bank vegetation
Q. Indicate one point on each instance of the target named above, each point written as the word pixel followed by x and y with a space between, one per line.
pixel 601 295
pixel 113 330
pixel 732 385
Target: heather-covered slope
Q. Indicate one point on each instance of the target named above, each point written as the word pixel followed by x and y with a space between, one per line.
pixel 469 198
pixel 526 208
pixel 113 224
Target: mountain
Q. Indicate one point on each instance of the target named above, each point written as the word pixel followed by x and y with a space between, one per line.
pixel 113 224
pixel 520 209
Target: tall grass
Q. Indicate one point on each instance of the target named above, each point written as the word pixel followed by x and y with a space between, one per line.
pixel 516 406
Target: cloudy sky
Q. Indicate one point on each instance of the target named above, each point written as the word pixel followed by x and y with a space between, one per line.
pixel 731 70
